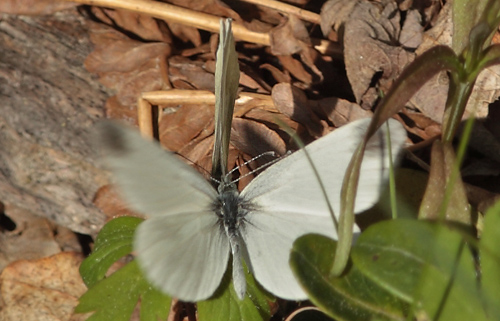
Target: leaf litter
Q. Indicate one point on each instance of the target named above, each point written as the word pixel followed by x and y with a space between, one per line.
pixel 312 86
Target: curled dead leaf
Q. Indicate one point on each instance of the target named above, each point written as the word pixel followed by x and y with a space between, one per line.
pixel 254 139
pixel 179 128
pixel 431 98
pixel 143 26
pixel 339 111
pixel 292 102
pixel 371 46
pixel 114 52
pixel 334 13
pixel 289 37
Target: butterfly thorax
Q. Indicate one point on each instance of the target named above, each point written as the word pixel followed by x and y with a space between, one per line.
pixel 227 207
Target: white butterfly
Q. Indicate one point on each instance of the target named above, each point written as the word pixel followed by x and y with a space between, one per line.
pixel 185 244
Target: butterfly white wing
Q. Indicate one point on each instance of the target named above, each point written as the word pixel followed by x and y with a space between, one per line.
pixel 288 200
pixel 269 238
pixel 152 180
pixel 180 248
pixel 184 255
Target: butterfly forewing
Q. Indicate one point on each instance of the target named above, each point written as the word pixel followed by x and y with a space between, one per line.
pixel 152 181
pixel 287 201
pixel 180 248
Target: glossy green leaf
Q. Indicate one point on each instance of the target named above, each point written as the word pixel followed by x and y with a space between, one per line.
pixel 349 297
pixel 115 297
pixel 490 261
pixel 412 78
pixel 113 242
pixel 448 288
pixel 424 263
pixel 225 305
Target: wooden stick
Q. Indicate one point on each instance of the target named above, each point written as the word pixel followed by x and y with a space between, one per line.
pixel 200 20
pixel 289 9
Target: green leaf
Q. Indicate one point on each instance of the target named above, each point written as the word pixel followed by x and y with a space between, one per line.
pixel 441 191
pixel 466 15
pixel 349 297
pixel 113 242
pixel 490 261
pixel 424 263
pixel 225 305
pixel 115 297
pixel 491 56
pixel 408 198
pixel 412 78
pixel 154 304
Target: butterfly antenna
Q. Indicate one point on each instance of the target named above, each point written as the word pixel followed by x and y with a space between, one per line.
pixel 270 153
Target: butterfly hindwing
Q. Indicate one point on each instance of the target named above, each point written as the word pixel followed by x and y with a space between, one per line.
pixel 184 255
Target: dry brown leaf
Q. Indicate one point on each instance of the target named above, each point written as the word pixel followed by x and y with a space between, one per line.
pixel 334 13
pixel 412 30
pixel 178 128
pixel 114 52
pixel 246 169
pixel 185 73
pixel 339 111
pixel 273 120
pixel 289 37
pixel 108 200
pixel 185 33
pixel 34 7
pixel 254 139
pixel 296 68
pixel 428 9
pixel 130 67
pixel 292 102
pixel 278 75
pixel 143 26
pixel 370 48
pixel 421 125
pixel 312 59
pixel 115 110
pixel 431 98
pixel 43 289
pixel 252 80
pixel 199 153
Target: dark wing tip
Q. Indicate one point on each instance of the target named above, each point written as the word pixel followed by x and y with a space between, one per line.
pixel 111 137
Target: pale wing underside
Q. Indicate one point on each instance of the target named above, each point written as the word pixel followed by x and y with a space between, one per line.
pixel 269 238
pixel 290 185
pixel 152 180
pixel 184 255
pixel 288 201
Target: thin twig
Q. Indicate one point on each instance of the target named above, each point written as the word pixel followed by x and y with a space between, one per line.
pixel 200 20
pixel 289 9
